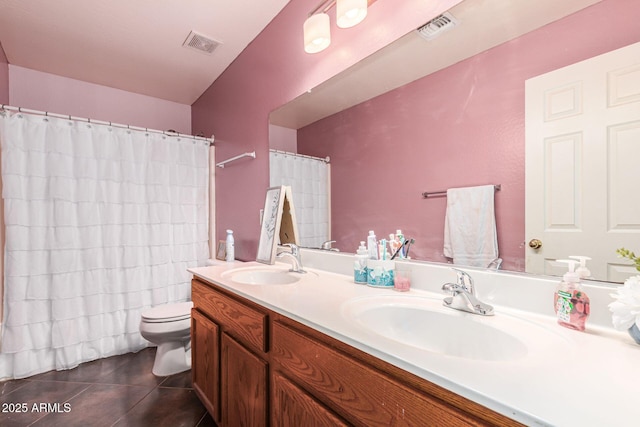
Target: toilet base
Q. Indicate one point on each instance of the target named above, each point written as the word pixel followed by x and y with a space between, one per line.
pixel 172 358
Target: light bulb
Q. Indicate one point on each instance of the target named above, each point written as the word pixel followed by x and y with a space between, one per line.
pixel 350 12
pixel 317 33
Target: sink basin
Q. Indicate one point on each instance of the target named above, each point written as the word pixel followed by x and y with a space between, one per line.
pixel 261 276
pixel 424 324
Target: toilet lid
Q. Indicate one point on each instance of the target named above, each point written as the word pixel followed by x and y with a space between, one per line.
pixel 168 312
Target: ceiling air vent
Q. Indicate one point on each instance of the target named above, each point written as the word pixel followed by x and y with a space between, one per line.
pixel 437 26
pixel 200 42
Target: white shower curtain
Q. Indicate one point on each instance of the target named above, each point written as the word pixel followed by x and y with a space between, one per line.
pixel 101 223
pixel 309 181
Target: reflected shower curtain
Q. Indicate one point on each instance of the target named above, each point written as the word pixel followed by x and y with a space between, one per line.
pixel 309 181
pixel 101 222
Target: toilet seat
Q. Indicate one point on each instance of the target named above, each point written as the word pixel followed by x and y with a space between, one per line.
pixel 168 313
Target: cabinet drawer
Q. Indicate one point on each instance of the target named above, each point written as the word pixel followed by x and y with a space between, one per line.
pixel 237 319
pixel 359 393
pixel 293 407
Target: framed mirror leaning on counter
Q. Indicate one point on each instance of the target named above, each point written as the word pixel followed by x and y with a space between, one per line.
pixel 278 224
pixel 453 111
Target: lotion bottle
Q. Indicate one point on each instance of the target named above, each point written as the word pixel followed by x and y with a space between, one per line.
pixel 360 270
pixel 372 245
pixel 231 256
pixel 571 303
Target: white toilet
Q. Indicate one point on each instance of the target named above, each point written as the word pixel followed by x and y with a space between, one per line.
pixel 169 327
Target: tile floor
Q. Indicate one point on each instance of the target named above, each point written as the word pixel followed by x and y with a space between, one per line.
pixel 116 391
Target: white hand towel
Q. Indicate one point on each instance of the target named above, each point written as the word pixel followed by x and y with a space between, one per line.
pixel 470 235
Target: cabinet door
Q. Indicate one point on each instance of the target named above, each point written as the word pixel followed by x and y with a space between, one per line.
pixel 205 362
pixel 293 407
pixel 244 386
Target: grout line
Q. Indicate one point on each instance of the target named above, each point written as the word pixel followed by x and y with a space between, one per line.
pixel 201 420
pixel 134 406
pixel 60 381
pixel 23 382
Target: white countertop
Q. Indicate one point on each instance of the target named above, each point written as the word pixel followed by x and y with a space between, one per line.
pixel 566 377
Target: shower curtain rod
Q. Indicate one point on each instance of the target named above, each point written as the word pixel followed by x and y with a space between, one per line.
pixel 4 107
pixel 325 159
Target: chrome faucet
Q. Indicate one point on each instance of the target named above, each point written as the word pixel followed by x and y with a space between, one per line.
pixel 495 264
pixel 463 296
pixel 294 254
pixel 326 246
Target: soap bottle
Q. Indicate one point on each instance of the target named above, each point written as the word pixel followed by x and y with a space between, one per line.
pixel 231 256
pixel 582 270
pixel 571 303
pixel 372 245
pixel 360 264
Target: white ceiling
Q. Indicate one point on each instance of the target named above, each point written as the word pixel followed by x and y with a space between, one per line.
pixel 132 45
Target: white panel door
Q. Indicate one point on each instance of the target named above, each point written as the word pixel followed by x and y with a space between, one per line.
pixel 583 164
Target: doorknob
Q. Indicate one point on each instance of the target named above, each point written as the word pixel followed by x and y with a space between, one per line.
pixel 535 243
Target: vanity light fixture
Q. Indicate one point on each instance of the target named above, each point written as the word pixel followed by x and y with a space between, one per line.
pixel 317 33
pixel 317 28
pixel 350 12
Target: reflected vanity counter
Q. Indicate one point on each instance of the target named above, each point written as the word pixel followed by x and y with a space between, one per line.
pixel 518 363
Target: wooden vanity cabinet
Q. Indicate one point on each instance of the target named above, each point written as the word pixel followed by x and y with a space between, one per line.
pixel 275 371
pixel 235 390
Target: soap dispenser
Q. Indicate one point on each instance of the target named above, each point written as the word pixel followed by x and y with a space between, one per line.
pixel 360 265
pixel 582 270
pixel 571 303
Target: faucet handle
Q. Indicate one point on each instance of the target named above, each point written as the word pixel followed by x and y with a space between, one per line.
pixel 453 288
pixel 465 280
pixel 327 245
pixel 293 247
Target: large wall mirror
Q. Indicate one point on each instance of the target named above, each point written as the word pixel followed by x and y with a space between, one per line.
pixel 428 115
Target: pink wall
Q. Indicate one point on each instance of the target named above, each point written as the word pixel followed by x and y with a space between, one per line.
pixel 4 78
pixel 273 70
pixel 48 92
pixel 283 139
pixel 461 126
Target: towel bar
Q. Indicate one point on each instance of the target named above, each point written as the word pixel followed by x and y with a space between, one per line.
pixel 428 194
pixel 240 156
